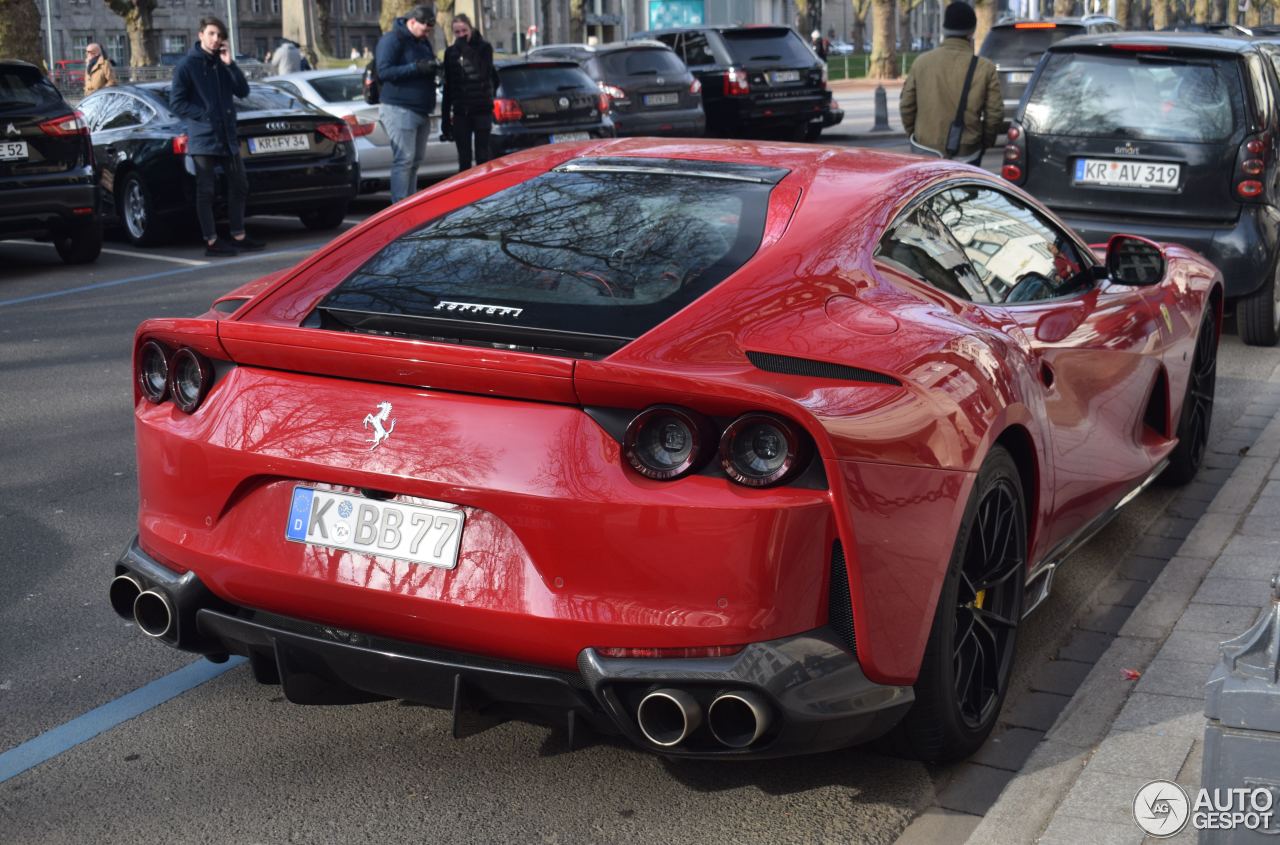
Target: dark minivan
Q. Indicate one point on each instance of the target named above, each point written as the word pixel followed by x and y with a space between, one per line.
pixel 1170 136
pixel 545 102
pixel 651 91
pixel 755 80
pixel 47 185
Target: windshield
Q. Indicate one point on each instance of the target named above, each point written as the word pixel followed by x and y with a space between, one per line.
pixel 23 87
pixel 1010 46
pixel 768 46
pixel 339 89
pixel 578 254
pixel 646 62
pixel 1144 96
pixel 533 81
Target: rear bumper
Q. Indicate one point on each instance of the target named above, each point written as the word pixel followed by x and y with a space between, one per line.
pixel 756 112
pixel 674 122
pixel 508 138
pixel 37 205
pixel 815 690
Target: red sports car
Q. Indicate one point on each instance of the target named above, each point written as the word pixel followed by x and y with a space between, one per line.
pixel 731 448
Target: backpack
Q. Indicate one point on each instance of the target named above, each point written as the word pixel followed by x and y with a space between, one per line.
pixel 372 88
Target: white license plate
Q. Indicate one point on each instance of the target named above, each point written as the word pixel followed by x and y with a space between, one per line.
pixel 415 533
pixel 1020 78
pixel 785 76
pixel 13 150
pixel 570 136
pixel 280 144
pixel 1126 174
pixel 661 99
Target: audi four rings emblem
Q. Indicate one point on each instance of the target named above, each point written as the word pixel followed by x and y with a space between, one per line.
pixel 279 126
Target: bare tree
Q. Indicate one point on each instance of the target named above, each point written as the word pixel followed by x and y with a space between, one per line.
pixel 884 59
pixel 1203 11
pixel 1064 8
pixel 577 20
pixel 986 12
pixel 142 36
pixel 1253 14
pixel 859 34
pixel 1160 14
pixel 1122 12
pixel 20 31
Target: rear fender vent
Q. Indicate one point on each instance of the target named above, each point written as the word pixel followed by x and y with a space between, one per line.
pixel 788 365
pixel 1156 417
pixel 839 605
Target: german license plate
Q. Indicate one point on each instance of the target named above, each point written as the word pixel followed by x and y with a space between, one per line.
pixel 661 99
pixel 1018 78
pixel 416 533
pixel 570 136
pixel 1126 174
pixel 280 144
pixel 13 150
pixel 785 76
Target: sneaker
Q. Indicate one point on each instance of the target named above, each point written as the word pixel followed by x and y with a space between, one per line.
pixel 220 247
pixel 248 244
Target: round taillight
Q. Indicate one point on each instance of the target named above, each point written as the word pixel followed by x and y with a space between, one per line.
pixel 153 372
pixel 758 450
pixel 1253 166
pixel 1012 153
pixel 1249 188
pixel 189 378
pixel 1012 172
pixel 665 442
pixel 1014 133
pixel 1255 146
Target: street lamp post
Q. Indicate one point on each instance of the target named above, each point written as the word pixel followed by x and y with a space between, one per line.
pixel 48 28
pixel 231 26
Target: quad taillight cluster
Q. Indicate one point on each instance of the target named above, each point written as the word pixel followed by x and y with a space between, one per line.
pixel 1251 165
pixel 666 442
pixel 183 375
pixel 1015 153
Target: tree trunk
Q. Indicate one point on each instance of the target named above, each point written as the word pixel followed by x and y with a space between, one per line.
pixel 1203 11
pixel 137 22
pixel 324 33
pixel 1122 13
pixel 577 21
pixel 802 23
pixel 392 9
pixel 884 59
pixel 20 32
pixel 1064 8
pixel 1159 14
pixel 1253 14
pixel 986 12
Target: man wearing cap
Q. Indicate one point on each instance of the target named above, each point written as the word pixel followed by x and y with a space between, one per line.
pixel 932 91
pixel 407 75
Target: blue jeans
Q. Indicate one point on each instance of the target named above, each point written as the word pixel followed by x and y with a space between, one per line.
pixel 408 131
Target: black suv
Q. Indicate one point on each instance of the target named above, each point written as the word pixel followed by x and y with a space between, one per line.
pixel 1015 47
pixel 1167 135
pixel 542 102
pixel 652 92
pixel 47 185
pixel 755 79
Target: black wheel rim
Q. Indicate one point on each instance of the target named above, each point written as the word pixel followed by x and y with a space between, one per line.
pixel 988 603
pixel 1200 387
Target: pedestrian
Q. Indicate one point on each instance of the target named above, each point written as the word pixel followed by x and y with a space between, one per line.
pixel 366 54
pixel 407 69
pixel 821 46
pixel 287 58
pixel 98 72
pixel 951 105
pixel 469 84
pixel 355 53
pixel 205 85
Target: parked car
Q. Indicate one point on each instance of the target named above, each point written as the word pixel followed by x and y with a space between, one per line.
pixel 1170 136
pixel 299 160
pixel 841 48
pixel 68 73
pixel 585 440
pixel 651 92
pixel 341 94
pixel 546 102
pixel 47 187
pixel 755 80
pixel 1015 47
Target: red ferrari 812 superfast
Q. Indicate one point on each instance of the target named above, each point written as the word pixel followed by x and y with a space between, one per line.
pixel 734 449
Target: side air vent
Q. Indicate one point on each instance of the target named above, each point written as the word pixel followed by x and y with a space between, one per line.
pixel 1156 416
pixel 839 605
pixel 821 369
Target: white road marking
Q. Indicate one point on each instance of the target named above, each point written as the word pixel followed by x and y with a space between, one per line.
pixel 190 262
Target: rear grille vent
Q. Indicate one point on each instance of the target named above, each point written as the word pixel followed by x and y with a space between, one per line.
pixel 839 605
pixel 804 367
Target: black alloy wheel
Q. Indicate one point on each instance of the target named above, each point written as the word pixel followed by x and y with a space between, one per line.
pixel 1197 406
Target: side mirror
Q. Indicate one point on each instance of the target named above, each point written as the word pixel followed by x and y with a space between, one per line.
pixel 1135 261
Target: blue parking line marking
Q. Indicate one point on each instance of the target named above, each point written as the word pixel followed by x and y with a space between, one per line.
pixel 83 728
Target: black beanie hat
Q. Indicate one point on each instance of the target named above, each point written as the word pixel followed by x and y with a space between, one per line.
pixel 959 19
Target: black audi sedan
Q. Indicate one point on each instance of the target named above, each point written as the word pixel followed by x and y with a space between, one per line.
pixel 545 102
pixel 1172 136
pixel 651 91
pixel 756 80
pixel 47 187
pixel 299 160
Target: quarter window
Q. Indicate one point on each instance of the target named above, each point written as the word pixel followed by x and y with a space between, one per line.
pixel 696 50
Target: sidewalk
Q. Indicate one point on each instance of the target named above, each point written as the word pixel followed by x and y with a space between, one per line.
pixel 857 98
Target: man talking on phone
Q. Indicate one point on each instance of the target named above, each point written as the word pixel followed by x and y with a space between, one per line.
pixel 205 85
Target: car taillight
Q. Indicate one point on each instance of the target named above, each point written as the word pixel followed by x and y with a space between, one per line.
pixel 735 83
pixel 358 128
pixel 1252 162
pixel 604 103
pixel 688 651
pixel 1014 134
pixel 1011 172
pixel 665 442
pixel 760 450
pixel 153 372
pixel 190 376
pixel 1012 153
pixel 695 87
pixel 507 110
pixel 335 131
pixel 1015 155
pixel 65 126
pixel 180 145
pixel 612 90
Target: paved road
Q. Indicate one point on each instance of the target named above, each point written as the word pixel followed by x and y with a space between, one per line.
pixel 229 760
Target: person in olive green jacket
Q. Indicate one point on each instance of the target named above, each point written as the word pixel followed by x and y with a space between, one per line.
pixel 932 93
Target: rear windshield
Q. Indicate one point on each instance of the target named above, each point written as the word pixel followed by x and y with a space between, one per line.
pixel 533 81
pixel 25 88
pixel 768 46
pixel 1012 46
pixel 569 262
pixel 646 62
pixel 339 89
pixel 1143 96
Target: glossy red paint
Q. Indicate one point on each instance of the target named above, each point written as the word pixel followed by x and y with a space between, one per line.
pixel 565 547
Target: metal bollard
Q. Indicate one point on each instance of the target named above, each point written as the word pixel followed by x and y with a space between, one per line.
pixel 882 111
pixel 1242 738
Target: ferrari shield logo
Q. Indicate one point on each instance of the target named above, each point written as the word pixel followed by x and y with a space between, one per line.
pixel 377 419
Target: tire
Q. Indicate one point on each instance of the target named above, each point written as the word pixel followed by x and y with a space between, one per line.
pixel 81 244
pixel 327 217
pixel 143 224
pixel 1258 314
pixel 959 693
pixel 1197 407
pixel 813 132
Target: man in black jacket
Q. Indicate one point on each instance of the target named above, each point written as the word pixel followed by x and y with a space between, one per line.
pixel 469 85
pixel 205 85
pixel 407 90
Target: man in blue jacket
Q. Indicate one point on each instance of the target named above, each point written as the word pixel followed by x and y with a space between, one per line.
pixel 205 85
pixel 407 76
